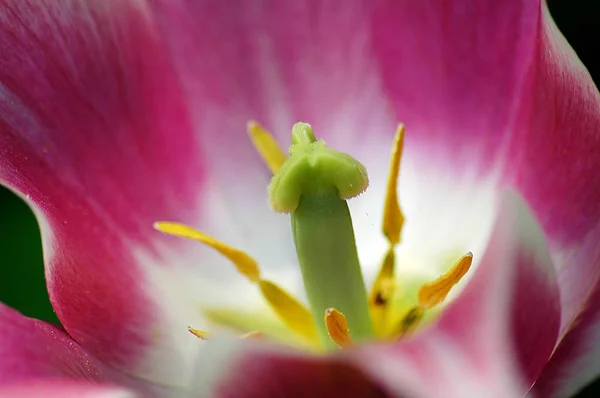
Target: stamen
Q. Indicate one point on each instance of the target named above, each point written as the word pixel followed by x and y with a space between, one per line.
pixel 337 328
pixel 201 334
pixel 393 219
pixel 245 264
pixel 433 293
pixel 266 145
pixel 290 311
pixel 410 321
pixel 381 292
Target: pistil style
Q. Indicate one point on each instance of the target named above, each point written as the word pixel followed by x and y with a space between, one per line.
pixel 313 185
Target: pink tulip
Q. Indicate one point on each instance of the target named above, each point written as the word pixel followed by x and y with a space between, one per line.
pixel 116 114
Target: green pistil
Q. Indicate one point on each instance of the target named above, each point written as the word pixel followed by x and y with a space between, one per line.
pixel 313 185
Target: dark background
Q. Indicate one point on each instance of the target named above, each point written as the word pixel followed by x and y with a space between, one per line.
pixel 22 284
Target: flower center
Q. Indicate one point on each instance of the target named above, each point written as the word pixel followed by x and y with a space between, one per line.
pixel 313 185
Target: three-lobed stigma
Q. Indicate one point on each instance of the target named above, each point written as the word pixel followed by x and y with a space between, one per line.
pixel 312 184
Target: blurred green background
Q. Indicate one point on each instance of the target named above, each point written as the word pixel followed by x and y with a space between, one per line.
pixel 22 284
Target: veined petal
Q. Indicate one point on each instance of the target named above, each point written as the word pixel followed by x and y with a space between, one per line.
pixel 94 135
pixel 495 338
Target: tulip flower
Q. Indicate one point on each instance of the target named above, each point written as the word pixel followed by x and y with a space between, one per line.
pixel 412 212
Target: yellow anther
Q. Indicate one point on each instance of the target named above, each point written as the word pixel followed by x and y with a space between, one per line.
pixel 337 328
pixel 393 219
pixel 410 321
pixel 290 311
pixel 201 334
pixel 383 286
pixel 433 293
pixel 266 145
pixel 245 264
pixel 381 292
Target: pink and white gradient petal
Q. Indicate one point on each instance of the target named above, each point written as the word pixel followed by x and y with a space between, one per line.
pixel 496 337
pixel 94 135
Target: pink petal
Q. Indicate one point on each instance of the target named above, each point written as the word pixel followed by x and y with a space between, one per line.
pixel 496 337
pixel 94 134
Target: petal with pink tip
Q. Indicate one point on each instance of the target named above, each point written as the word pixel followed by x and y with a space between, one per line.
pixel 496 337
pixel 94 135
